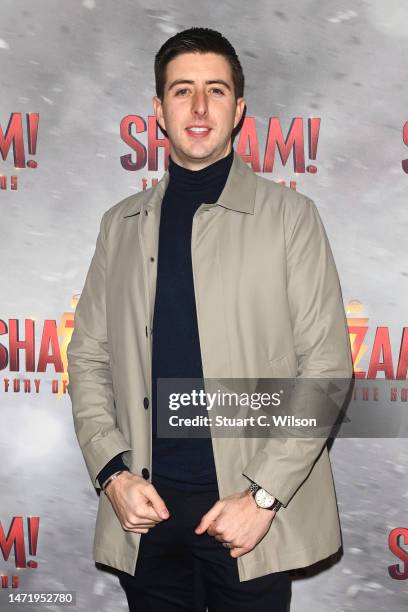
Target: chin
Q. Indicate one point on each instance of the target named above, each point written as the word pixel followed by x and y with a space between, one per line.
pixel 198 154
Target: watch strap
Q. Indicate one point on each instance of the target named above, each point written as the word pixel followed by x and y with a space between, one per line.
pixel 253 488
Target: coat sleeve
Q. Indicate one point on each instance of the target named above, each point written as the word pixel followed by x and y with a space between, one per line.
pixel 90 382
pixel 110 468
pixel 323 353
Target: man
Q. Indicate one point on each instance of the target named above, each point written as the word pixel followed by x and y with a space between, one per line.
pixel 213 273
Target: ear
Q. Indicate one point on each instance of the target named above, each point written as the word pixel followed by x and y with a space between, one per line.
pixel 239 110
pixel 158 111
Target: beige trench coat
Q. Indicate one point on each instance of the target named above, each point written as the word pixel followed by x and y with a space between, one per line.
pixel 269 304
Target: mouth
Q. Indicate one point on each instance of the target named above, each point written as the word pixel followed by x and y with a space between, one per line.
pixel 198 132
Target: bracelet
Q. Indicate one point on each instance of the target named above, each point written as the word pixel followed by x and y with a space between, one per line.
pixel 112 477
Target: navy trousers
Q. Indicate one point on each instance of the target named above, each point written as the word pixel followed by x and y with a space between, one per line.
pixel 178 570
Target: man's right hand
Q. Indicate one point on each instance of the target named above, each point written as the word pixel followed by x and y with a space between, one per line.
pixel 136 502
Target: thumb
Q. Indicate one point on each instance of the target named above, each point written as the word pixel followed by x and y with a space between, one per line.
pixel 158 504
pixel 208 518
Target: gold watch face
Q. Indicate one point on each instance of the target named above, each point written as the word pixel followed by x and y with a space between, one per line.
pixel 263 499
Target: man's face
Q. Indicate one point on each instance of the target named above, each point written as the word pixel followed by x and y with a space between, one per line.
pixel 191 100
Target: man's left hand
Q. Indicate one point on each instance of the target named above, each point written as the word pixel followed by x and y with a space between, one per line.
pixel 237 522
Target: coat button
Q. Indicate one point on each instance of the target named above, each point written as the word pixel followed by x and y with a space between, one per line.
pixel 152 259
pixel 146 402
pixel 145 473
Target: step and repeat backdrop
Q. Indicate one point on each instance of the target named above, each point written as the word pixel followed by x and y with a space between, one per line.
pixel 327 115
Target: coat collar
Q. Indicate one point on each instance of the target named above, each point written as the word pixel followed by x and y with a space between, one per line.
pixel 238 193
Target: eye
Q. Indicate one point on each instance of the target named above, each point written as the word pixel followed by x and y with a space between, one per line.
pixel 216 89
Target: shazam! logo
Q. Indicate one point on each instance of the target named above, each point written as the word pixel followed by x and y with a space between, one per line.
pixel 14 139
pixel 27 349
pixel 382 363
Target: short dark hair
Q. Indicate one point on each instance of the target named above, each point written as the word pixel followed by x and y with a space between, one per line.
pixel 197 40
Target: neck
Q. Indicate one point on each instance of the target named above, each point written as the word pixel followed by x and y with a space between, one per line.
pixel 207 180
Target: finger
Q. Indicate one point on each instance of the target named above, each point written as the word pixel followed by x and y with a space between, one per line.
pixel 238 552
pixel 137 520
pixel 208 518
pixel 136 529
pixel 220 538
pixel 214 530
pixel 142 521
pixel 156 501
pixel 148 514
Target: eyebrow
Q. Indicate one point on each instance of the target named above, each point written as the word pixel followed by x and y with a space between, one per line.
pixel 181 81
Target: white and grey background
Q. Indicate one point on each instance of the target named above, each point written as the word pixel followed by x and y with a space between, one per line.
pixel 84 65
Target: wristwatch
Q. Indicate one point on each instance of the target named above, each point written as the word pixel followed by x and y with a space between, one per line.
pixel 263 499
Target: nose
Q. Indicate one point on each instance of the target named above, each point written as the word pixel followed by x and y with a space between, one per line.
pixel 199 104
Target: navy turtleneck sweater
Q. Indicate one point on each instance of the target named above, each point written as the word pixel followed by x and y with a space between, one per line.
pixel 184 463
